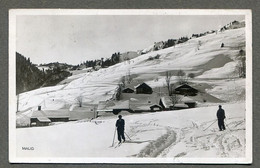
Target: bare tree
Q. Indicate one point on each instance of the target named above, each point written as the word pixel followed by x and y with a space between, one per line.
pixel 168 77
pixel 191 75
pixel 118 92
pixel 123 81
pixel 182 79
pixel 175 99
pixel 128 77
pixel 79 100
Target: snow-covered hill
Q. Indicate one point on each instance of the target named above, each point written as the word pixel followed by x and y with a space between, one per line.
pixel 208 61
pixel 171 134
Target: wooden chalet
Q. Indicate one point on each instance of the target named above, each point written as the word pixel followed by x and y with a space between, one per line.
pixel 143 89
pixel 165 102
pixel 156 107
pixel 113 106
pixel 44 118
pixel 128 90
pixel 180 106
pixel 186 89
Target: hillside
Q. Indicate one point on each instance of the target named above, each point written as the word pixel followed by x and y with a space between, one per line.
pixel 210 64
pixel 30 76
pixel 165 134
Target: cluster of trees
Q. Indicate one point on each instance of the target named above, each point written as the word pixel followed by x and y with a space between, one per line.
pixel 202 34
pixel 170 43
pixel 114 59
pixel 173 42
pixel 29 76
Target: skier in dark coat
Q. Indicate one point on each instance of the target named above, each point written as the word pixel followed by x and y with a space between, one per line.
pixel 221 116
pixel 120 125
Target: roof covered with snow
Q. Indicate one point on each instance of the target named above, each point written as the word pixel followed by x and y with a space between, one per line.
pixel 110 105
pixel 181 105
pixel 51 114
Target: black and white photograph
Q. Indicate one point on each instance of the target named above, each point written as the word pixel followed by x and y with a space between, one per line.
pixel 130 86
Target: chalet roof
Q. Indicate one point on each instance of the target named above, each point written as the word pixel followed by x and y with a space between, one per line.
pixel 166 101
pixel 44 119
pixel 142 85
pixel 185 86
pixel 74 115
pixel 187 100
pixel 121 105
pixel 181 105
pixel 155 105
pixel 128 88
pixel 144 107
pixel 51 114
pixel 110 105
pixel 144 99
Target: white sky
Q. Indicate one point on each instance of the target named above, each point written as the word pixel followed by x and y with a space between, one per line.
pixel 74 39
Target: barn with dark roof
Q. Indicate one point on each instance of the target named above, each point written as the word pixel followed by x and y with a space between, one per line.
pixel 186 89
pixel 143 89
pixel 128 90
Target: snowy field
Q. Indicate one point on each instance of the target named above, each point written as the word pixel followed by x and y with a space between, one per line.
pixel 170 134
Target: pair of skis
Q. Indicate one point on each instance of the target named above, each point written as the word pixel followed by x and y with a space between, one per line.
pixel 119 144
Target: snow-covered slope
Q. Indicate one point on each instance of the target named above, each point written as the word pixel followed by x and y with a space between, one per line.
pixel 171 134
pixel 207 61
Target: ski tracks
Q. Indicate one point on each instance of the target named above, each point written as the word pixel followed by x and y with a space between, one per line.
pixel 231 140
pixel 228 143
pixel 168 141
pixel 159 145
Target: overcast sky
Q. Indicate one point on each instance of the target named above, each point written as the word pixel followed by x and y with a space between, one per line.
pixel 74 39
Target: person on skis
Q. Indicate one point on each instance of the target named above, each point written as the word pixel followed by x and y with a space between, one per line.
pixel 221 116
pixel 120 125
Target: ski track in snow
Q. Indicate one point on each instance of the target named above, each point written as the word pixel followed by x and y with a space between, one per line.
pixel 169 134
pixel 224 142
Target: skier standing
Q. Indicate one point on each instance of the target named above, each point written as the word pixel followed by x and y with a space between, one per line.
pixel 120 125
pixel 221 116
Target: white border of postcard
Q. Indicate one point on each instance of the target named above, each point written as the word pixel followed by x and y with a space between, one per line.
pixel 13 13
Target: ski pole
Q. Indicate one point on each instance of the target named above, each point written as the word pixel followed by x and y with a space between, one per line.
pixel 210 125
pixel 127 136
pixel 114 137
pixel 227 126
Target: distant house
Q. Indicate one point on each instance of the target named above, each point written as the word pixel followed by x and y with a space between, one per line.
pixel 185 89
pixel 180 106
pixel 143 89
pixel 44 118
pixel 165 102
pixel 156 107
pixel 79 113
pixel 189 101
pixel 113 106
pixel 128 90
